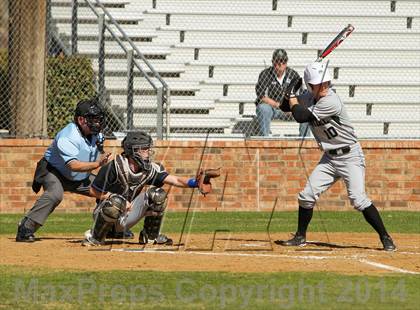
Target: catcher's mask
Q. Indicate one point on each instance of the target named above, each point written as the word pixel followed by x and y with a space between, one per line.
pixel 93 113
pixel 138 145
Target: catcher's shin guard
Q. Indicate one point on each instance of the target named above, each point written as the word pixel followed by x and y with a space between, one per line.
pixel 151 229
pixel 156 200
pixel 152 226
pixel 106 215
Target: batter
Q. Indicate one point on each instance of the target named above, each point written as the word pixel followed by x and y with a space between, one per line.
pixel 343 156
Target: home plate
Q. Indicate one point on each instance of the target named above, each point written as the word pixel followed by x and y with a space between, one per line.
pixel 253 244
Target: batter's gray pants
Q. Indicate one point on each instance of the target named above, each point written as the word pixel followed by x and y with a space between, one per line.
pixel 350 167
pixel 54 187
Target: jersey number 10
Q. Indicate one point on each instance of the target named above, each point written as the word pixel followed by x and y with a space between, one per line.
pixel 331 132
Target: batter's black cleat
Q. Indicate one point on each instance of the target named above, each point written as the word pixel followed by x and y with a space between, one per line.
pixel 25 234
pixel 297 240
pixel 388 243
pixel 112 234
pixel 161 239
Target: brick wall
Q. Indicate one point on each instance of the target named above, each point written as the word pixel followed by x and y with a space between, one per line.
pixel 254 174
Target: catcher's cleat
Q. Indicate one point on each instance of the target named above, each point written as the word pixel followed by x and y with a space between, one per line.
pixel 388 243
pixel 161 239
pixel 297 240
pixel 24 234
pixel 89 240
pixel 112 234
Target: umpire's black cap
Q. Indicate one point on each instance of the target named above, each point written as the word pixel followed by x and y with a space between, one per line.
pixel 279 55
pixel 88 107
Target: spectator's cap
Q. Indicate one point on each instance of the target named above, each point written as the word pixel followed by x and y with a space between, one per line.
pixel 279 55
pixel 316 73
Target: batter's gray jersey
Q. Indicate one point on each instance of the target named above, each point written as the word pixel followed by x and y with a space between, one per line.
pixel 332 128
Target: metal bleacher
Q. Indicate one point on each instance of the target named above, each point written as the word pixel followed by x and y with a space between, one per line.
pixel 210 53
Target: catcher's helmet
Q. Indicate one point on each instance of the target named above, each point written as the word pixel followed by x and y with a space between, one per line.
pixel 93 112
pixel 136 141
pixel 279 55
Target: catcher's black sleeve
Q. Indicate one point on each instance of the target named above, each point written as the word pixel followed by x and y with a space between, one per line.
pixel 105 178
pixel 302 114
pixel 159 175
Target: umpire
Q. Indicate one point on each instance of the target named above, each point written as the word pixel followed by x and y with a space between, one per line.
pixel 66 166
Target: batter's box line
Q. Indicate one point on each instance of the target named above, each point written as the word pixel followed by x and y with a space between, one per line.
pixel 386 267
pixel 160 251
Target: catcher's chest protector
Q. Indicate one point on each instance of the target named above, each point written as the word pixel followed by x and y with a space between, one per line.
pixel 132 183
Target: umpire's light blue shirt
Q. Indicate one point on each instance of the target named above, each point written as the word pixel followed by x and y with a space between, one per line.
pixel 69 144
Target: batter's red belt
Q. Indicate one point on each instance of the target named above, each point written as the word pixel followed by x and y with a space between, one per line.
pixel 340 151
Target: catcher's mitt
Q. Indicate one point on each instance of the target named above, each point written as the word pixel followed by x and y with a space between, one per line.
pixel 203 179
pixel 291 90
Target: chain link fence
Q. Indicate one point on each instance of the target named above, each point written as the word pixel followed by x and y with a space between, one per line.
pixel 193 68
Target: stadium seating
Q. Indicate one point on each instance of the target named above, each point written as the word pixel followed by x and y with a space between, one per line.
pixel 211 52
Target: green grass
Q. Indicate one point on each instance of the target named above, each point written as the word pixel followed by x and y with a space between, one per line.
pixel 41 288
pixel 208 222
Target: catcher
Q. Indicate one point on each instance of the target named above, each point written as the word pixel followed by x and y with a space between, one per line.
pixel 121 200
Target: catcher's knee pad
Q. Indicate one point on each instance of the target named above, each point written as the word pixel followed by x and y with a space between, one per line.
pixel 106 214
pixel 152 226
pixel 156 199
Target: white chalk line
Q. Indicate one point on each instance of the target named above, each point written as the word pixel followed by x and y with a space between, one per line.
pixel 386 267
pixel 314 257
pixel 224 254
pixel 410 253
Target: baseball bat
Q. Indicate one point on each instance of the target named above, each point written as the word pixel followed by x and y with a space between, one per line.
pixel 336 42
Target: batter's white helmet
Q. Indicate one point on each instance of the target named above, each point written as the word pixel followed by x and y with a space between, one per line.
pixel 316 73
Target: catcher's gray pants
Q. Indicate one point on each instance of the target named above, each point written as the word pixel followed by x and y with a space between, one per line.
pixel 350 167
pixel 54 187
pixel 137 212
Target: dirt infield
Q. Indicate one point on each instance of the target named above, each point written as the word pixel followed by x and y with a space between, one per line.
pixel 347 253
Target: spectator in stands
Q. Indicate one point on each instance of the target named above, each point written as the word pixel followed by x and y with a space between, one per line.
pixel 272 82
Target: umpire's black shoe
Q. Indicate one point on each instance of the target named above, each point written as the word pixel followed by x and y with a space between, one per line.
pixel 112 234
pixel 24 234
pixel 297 240
pixel 388 243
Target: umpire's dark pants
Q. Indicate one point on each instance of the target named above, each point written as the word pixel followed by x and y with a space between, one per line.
pixel 54 185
